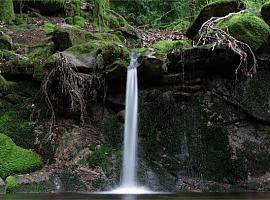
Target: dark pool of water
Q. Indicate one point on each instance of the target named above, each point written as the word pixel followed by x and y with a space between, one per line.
pixel 184 196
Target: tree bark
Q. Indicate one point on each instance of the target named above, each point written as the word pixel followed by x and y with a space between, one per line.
pixel 6 10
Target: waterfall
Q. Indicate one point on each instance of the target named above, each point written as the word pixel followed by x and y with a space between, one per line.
pixel 131 125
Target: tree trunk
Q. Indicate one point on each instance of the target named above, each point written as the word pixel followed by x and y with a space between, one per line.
pixel 6 10
pixel 100 7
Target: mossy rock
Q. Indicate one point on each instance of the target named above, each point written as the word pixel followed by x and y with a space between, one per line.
pixel 66 36
pixel 4 84
pixel 14 159
pixel 5 41
pixel 249 29
pixel 178 142
pixel 166 46
pixel 101 54
pixel 79 21
pixel 265 12
pixel 218 8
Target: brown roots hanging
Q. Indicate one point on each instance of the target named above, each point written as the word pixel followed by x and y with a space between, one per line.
pixel 210 34
pixel 65 84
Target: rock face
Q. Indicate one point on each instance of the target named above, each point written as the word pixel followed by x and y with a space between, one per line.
pixel 212 136
pixel 265 12
pixel 216 9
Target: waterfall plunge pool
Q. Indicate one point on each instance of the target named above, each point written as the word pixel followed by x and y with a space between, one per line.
pixel 181 196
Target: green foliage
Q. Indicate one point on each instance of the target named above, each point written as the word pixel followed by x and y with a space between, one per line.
pixel 79 21
pixel 100 157
pixel 247 28
pixel 157 13
pixel 11 183
pixel 165 46
pixel 14 159
pixel 48 27
pixel 177 25
pixel 112 132
pixel 4 84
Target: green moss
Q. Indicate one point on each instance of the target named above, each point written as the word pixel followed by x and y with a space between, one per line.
pixel 79 21
pixel 110 50
pixel 265 11
pixel 165 46
pixel 5 41
pixel 177 25
pixel 11 183
pixel 100 157
pixel 14 159
pixel 140 50
pixel 4 84
pixel 48 27
pixel 248 29
pixel 6 10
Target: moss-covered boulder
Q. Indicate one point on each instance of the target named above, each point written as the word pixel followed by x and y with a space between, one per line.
pixel 265 12
pixel 66 36
pixel 249 29
pixel 166 46
pixel 14 159
pixel 218 8
pixel 5 41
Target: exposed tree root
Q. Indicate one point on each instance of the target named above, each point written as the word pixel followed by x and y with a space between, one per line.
pixel 210 34
pixel 64 84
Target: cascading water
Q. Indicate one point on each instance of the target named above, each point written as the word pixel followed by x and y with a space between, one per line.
pixel 131 124
pixel 129 178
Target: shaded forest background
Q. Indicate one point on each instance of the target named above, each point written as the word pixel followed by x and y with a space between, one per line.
pixel 159 13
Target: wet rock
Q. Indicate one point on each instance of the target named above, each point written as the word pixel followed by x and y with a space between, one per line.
pixel 216 9
pixel 203 61
pixel 151 67
pixel 121 116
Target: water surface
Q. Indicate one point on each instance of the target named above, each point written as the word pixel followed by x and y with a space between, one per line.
pixel 184 196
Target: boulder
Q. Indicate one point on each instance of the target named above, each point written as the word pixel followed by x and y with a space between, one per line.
pixel 202 61
pixel 99 55
pixel 5 41
pixel 15 159
pixel 66 36
pixel 129 36
pixel 218 8
pixel 249 29
pixel 265 12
